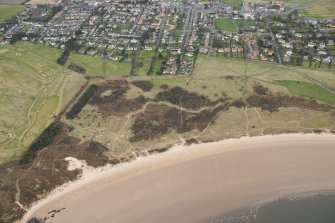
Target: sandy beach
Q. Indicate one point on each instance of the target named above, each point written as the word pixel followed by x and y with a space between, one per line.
pixel 197 182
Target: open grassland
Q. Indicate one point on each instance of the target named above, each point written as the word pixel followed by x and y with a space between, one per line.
pixel 268 74
pixel 96 66
pixel 309 90
pixel 324 75
pixel 322 9
pixel 8 11
pixel 265 72
pixel 33 88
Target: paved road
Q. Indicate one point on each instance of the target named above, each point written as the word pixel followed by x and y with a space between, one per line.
pixel 274 41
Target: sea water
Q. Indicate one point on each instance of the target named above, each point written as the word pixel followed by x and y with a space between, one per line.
pixel 318 208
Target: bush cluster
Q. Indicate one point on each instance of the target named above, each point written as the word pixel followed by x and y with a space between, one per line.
pixel 77 68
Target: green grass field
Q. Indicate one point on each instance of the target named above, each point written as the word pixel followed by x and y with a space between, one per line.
pixel 12 2
pixel 144 59
pixel 231 25
pixel 226 24
pixel 96 66
pixel 147 53
pixel 323 9
pixel 308 90
pixel 8 11
pixel 243 23
pixel 236 4
pixel 33 88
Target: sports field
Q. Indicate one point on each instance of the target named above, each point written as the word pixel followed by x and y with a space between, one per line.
pixel 231 25
pixel 226 24
pixel 8 11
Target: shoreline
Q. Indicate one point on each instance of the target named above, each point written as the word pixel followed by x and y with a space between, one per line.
pixel 176 154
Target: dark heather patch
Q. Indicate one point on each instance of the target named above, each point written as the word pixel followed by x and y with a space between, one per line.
pixel 181 97
pixel 116 103
pixel 158 120
pixel 261 90
pixel 273 102
pixel 145 86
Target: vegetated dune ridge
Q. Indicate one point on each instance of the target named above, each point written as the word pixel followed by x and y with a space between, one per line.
pixel 193 183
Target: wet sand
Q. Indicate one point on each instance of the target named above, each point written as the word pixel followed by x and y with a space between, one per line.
pixel 189 184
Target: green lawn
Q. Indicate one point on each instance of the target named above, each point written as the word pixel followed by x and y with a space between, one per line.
pixel 145 62
pixel 230 25
pixel 8 11
pixel 313 64
pixel 243 23
pixel 157 64
pixel 96 66
pixel 147 53
pixel 169 81
pixel 226 24
pixel 236 4
pixel 308 90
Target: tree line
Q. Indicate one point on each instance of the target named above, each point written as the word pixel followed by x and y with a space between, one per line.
pixel 76 109
pixel 41 142
pixel 70 45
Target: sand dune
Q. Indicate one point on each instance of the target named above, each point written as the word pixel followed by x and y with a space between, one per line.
pixel 188 184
